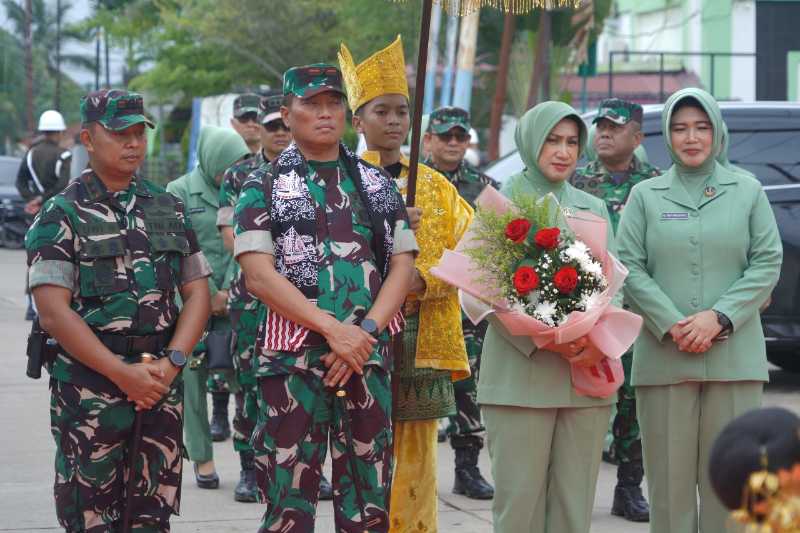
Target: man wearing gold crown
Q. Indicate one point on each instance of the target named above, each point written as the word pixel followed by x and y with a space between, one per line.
pixel 430 353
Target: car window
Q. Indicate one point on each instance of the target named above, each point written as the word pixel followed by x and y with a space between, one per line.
pixel 8 171
pixel 773 156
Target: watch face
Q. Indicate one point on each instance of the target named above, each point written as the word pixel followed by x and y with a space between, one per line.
pixel 369 326
pixel 177 358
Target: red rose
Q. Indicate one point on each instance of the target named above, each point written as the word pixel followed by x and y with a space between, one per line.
pixel 566 279
pixel 517 230
pixel 547 238
pixel 525 280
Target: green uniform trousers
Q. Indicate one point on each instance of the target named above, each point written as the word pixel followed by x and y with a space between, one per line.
pixel 679 424
pixel 545 464
pixel 196 429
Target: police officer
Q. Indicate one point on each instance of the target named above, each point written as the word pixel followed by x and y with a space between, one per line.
pixel 610 177
pixel 447 139
pixel 107 257
pixel 330 254
pixel 246 122
pixel 44 171
pixel 217 150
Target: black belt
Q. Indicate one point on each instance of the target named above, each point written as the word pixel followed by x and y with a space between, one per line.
pixel 136 344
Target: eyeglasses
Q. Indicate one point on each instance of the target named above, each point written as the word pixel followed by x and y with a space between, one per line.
pixel 247 117
pixel 274 125
pixel 459 136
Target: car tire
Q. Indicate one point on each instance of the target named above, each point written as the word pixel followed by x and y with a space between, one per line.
pixel 8 241
pixel 785 359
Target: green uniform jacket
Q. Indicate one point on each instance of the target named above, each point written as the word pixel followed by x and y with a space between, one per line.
pixel 725 255
pixel 513 372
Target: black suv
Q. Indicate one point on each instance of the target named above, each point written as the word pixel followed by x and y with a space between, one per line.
pixel 765 139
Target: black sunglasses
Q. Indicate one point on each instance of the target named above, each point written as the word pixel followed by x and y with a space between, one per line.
pixel 274 125
pixel 460 136
pixel 247 117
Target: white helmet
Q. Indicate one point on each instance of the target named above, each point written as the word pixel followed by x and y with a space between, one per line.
pixel 51 120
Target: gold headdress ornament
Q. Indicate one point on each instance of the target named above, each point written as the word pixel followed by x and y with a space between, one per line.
pixel 384 72
pixel 465 7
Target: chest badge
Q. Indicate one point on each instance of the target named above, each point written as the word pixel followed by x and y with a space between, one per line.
pixel 709 192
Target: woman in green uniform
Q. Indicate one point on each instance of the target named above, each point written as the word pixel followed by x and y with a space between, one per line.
pixel 217 149
pixel 545 441
pixel 704 253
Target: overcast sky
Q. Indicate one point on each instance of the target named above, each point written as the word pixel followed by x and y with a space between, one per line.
pixel 79 10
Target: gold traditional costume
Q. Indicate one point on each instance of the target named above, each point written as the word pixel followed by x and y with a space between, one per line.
pixel 433 352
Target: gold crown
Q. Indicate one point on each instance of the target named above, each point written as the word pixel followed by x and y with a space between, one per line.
pixel 384 72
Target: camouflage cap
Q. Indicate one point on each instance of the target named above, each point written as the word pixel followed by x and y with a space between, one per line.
pixel 269 108
pixel 619 111
pixel 246 103
pixel 311 80
pixel 445 119
pixel 115 109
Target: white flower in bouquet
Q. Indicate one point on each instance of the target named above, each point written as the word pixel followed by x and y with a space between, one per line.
pixel 579 252
pixel 590 301
pixel 545 311
pixel 593 268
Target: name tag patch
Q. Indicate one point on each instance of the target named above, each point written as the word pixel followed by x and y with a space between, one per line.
pixel 674 216
pixel 195 210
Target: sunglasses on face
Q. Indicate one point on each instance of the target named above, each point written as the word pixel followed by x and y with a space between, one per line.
pixel 459 136
pixel 247 117
pixel 274 125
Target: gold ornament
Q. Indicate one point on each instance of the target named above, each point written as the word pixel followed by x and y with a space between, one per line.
pixel 465 7
pixel 384 72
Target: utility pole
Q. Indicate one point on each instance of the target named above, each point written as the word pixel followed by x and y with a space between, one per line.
pixel 452 42
pixel 108 72
pixel 499 102
pixel 29 65
pixel 467 43
pixel 540 77
pixel 97 60
pixel 57 103
pixel 433 59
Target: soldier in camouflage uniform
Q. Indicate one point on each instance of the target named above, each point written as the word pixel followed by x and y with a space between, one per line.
pixel 611 177
pixel 107 257
pixel 324 242
pixel 245 121
pixel 447 138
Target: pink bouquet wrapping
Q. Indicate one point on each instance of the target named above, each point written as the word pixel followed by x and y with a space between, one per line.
pixel 611 329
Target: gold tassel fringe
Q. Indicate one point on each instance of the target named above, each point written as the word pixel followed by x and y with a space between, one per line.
pixel 518 7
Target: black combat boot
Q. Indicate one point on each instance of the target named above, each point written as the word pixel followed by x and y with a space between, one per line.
pixel 220 427
pixel 245 490
pixel 629 502
pixel 469 480
pixel 325 489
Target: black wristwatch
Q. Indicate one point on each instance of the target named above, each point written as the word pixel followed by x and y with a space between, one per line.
pixel 724 321
pixel 370 326
pixel 177 358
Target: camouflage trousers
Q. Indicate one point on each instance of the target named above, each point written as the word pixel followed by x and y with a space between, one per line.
pixel 92 432
pixel 627 444
pixel 298 416
pixel 244 322
pixel 466 426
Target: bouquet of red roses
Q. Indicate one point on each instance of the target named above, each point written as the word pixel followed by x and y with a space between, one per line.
pixel 547 274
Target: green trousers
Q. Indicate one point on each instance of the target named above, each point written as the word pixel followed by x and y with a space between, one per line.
pixel 679 424
pixel 545 464
pixel 196 429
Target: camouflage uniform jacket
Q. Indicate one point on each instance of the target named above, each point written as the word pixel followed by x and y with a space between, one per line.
pixel 467 179
pixel 595 179
pixel 340 262
pixel 123 255
pixel 232 182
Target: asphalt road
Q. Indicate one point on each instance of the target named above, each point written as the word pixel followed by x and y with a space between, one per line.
pixel 26 451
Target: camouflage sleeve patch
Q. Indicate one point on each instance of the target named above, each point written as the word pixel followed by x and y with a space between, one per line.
pixel 251 212
pixel 193 267
pixel 404 240
pixel 227 191
pixel 51 236
pixel 52 272
pixel 225 216
pixel 254 241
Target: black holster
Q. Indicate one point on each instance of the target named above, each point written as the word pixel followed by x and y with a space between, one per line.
pixel 42 349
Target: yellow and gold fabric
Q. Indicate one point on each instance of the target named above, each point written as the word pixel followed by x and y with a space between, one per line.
pixel 384 72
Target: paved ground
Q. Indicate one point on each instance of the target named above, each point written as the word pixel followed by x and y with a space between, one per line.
pixel 26 451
